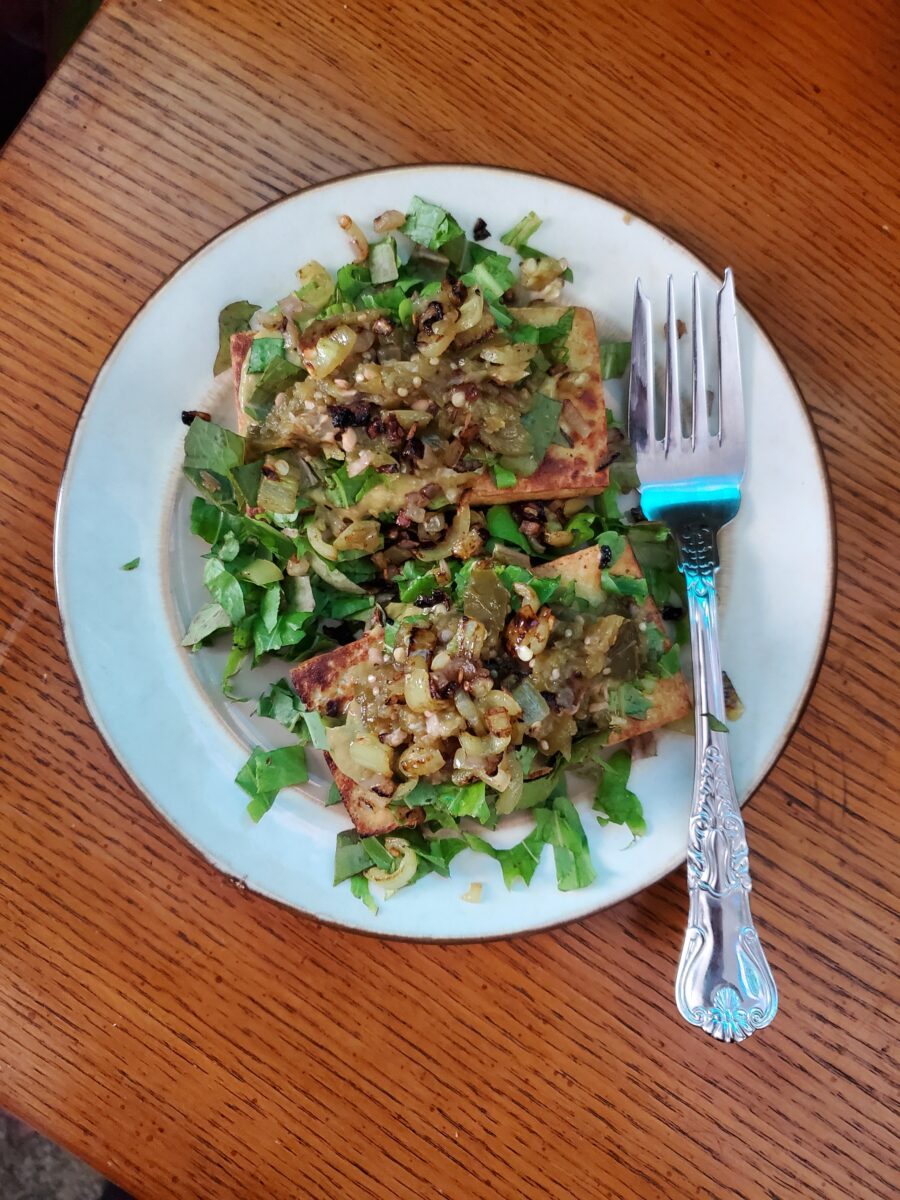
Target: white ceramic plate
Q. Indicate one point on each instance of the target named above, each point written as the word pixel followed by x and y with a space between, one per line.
pixel 160 708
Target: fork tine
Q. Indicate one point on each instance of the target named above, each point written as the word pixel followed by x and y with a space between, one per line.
pixel 699 414
pixel 673 410
pixel 640 384
pixel 731 393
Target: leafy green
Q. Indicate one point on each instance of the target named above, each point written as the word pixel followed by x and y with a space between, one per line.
pixel 655 550
pixel 266 772
pixel 359 886
pixel 502 477
pixel 615 359
pixel 542 423
pixel 343 490
pixel 542 335
pixel 278 375
pixel 490 272
pixel 212 448
pixel 502 525
pixel 624 585
pixel 281 703
pixel 289 630
pixel 516 862
pixel 510 574
pixel 383 264
pixel 131 565
pixel 614 801
pixel 614 542
pixel 350 856
pixel 627 700
pixel 429 224
pixel 211 618
pixel 716 724
pixel 439 853
pixel 415 581
pixel 212 523
pixel 224 588
pixel 333 797
pixel 521 231
pixel 469 801
pixel 262 351
pixel 669 663
pixel 247 478
pixel 352 280
pixel 379 855
pixel 561 827
pixel 234 318
pixel 537 791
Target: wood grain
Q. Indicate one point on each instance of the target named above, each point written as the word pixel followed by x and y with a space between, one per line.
pixel 192 1040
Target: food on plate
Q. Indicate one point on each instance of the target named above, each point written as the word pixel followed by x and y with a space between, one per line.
pixel 492 681
pixel 424 514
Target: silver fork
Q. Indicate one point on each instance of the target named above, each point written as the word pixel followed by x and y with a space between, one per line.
pixel 693 484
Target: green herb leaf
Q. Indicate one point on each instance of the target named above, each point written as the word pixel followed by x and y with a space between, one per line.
pixel 669 663
pixel 343 490
pixel 263 351
pixel 359 886
pixel 543 335
pixel 502 525
pixel 716 724
pixel 223 586
pixel 131 565
pixel 624 585
pixel 211 447
pixel 439 853
pixel 502 477
pixel 521 231
pixel 210 619
pixel 350 856
pixel 490 272
pixel 415 581
pixel 211 522
pixel 281 703
pixel 614 542
pixel 266 772
pixel 615 359
pixel 469 801
pixel 383 264
pixel 234 318
pixel 561 826
pixel 278 375
pixel 289 630
pixel 516 862
pixel 379 855
pixel 627 700
pixel 614 801
pixel 429 225
pixel 542 423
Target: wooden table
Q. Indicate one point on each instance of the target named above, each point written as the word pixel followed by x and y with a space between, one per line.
pixel 192 1040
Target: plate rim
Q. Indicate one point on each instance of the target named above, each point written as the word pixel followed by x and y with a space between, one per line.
pixel 823 635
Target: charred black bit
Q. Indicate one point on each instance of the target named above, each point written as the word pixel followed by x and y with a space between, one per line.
pixel 332 708
pixel 636 514
pixel 438 597
pixel 509 296
pixel 413 448
pixel 458 290
pixel 672 612
pixel 605 556
pixel 345 416
pixel 442 688
pixel 384 325
pixel 433 313
pixel 480 230
pixel 387 469
pixel 189 415
pixel 608 461
pixel 270 472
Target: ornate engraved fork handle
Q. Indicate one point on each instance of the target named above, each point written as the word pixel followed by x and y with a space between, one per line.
pixel 724 983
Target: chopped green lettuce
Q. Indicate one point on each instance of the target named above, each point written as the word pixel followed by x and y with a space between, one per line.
pixel 614 802
pixel 266 772
pixel 429 224
pixel 615 359
pixel 263 351
pixel 234 318
pixel 131 565
pixel 502 525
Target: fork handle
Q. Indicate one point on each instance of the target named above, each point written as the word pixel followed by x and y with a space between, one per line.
pixel 724 983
